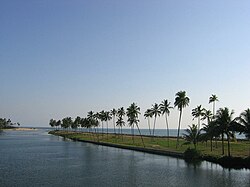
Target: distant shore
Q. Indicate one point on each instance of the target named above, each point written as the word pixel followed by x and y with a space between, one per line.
pixel 20 129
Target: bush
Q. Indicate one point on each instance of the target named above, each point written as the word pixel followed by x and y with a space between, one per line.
pixel 192 154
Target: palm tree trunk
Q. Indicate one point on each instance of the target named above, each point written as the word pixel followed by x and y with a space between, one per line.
pixel 228 145
pixel 213 108
pixel 149 126
pixel 167 127
pixel 140 135
pixel 199 122
pixel 121 133
pixel 114 124
pixel 222 136
pixel 133 134
pixel 154 126
pixel 102 128
pixel 178 134
pixel 96 134
pixel 107 130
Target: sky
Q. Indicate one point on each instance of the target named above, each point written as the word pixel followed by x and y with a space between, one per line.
pixel 64 58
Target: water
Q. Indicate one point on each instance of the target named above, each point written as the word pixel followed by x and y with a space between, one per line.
pixel 34 158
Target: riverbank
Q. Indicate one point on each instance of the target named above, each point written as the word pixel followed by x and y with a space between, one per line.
pixel 165 146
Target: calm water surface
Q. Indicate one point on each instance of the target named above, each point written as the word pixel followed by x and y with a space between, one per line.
pixel 34 158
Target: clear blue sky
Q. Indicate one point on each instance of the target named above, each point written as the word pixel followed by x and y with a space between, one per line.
pixel 64 58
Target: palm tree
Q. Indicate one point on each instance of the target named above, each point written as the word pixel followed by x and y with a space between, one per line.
pixel 133 112
pixel 77 122
pixel 227 125
pixel 107 117
pixel 210 130
pixel 197 113
pixel 165 109
pixel 181 101
pixel 120 114
pixel 113 113
pixel 90 117
pixel 66 122
pixel 245 122
pixel 206 114
pixel 52 123
pixel 58 123
pixel 213 99
pixel 192 135
pixel 148 115
pixel 102 118
pixel 84 123
pixel 120 122
pixel 155 110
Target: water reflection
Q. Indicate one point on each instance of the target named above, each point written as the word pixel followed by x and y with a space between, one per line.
pixel 38 159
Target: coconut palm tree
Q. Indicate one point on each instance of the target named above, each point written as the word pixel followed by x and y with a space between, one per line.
pixel 213 99
pixel 210 130
pixel 52 123
pixel 197 113
pixel 206 114
pixel 113 113
pixel 165 109
pixel 107 117
pixel 102 118
pixel 227 125
pixel 84 123
pixel 90 117
pixel 120 123
pixel 245 122
pixel 148 114
pixel 120 114
pixel 192 135
pixel 133 112
pixel 155 110
pixel 66 122
pixel 58 123
pixel 76 123
pixel 181 101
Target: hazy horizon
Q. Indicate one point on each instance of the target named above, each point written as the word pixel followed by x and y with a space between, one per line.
pixel 65 58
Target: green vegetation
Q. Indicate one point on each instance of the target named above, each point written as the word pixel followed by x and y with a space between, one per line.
pixel 214 130
pixel 192 154
pixel 238 149
pixel 7 124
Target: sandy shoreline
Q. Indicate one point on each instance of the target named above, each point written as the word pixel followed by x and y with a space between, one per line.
pixel 21 129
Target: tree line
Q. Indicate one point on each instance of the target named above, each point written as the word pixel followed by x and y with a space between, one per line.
pixel 218 124
pixel 7 123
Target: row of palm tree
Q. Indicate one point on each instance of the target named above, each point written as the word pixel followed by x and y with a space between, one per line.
pixel 181 101
pixel 133 111
pixel 93 120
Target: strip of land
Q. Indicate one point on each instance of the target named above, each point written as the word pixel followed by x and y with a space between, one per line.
pixel 240 150
pixel 20 129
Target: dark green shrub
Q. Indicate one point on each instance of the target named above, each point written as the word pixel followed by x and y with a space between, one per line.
pixel 192 154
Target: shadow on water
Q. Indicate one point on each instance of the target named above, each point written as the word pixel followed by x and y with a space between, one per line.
pixel 193 163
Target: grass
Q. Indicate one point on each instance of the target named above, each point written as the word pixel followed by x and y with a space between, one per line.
pixel 238 149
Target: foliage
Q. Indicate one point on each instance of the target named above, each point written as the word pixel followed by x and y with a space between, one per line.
pixel 192 135
pixel 6 123
pixel 192 154
pixel 245 122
